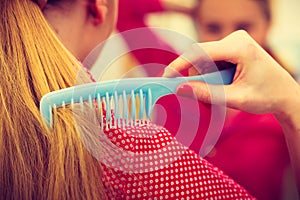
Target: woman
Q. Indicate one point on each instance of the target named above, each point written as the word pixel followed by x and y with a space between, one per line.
pixel 248 142
pixel 266 93
pixel 38 163
pixel 214 20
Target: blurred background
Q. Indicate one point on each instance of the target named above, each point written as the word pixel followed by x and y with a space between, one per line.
pixel 283 38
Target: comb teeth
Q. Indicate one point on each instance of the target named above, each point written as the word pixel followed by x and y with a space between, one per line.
pixel 116 110
pixel 130 100
pixel 126 109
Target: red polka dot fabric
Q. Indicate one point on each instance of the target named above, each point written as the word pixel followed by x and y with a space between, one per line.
pixel 146 162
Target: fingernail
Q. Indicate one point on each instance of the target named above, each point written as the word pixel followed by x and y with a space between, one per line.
pixel 168 72
pixel 185 90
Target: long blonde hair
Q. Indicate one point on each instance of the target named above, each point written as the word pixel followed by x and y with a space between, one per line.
pixel 35 162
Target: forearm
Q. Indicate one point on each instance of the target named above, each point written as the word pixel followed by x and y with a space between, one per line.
pixel 290 123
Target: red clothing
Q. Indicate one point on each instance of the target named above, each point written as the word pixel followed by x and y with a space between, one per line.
pixel 151 164
pixel 146 162
pixel 131 13
pixel 147 47
pixel 251 148
pixel 256 154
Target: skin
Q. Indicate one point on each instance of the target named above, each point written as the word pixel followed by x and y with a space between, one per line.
pixel 178 6
pixel 255 89
pixel 217 19
pixel 90 22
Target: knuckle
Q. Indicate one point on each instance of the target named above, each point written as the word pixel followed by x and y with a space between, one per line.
pixel 202 93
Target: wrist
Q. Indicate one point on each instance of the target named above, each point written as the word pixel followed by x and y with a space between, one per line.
pixel 288 110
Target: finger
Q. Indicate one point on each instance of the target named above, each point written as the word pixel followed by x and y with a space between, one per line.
pixel 232 49
pixel 198 90
pixel 200 56
pixel 188 59
pixel 212 94
pixel 176 66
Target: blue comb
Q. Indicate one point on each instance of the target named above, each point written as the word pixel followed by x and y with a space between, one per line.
pixel 145 91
